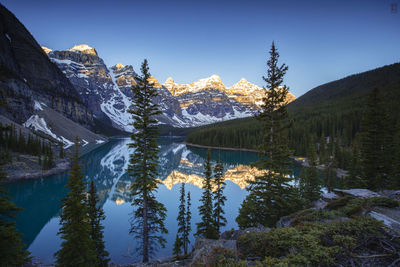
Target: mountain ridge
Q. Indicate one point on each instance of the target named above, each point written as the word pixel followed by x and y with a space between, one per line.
pixel 106 90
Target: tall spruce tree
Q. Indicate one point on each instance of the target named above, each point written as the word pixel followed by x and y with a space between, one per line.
pixel 77 248
pixel 177 249
pixel 12 251
pixel 219 197
pixel 188 221
pixel 181 220
pixel 271 195
pixel 310 184
pixel 96 215
pixel 206 227
pixel 373 142
pixel 149 215
pixel 395 174
pixel 355 178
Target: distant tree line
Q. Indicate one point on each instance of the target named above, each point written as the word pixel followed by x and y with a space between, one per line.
pixel 12 140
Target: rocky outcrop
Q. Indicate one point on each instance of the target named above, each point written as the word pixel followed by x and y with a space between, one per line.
pixel 27 74
pixel 362 193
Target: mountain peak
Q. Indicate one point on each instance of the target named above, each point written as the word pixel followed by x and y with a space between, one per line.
pixel 169 81
pixel 119 66
pixel 84 48
pixel 46 50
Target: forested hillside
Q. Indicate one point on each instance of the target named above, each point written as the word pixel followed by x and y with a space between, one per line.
pixel 330 110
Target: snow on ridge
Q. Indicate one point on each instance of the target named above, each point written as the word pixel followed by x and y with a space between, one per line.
pixel 99 141
pixel 39 124
pixel 37 106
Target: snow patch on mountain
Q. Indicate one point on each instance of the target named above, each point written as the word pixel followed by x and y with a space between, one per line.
pixel 39 124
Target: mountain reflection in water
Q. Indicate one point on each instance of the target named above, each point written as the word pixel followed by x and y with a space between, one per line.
pixel 41 198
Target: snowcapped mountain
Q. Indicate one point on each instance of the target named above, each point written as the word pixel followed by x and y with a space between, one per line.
pixel 107 92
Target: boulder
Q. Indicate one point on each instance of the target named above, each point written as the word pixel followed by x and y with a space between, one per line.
pixel 329 196
pixel 284 221
pixel 319 204
pixel 360 193
pixel 203 248
pixel 235 234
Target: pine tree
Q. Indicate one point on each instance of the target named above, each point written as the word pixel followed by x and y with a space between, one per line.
pixel 96 215
pixel 373 142
pixel 188 221
pixel 61 155
pixel 181 220
pixel 77 248
pixel 310 184
pixel 177 250
pixel 272 196
pixel 148 221
pixel 12 251
pixel 219 198
pixel 395 173
pixel 206 227
pixel 355 178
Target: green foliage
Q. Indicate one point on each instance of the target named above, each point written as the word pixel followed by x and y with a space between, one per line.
pixel 206 227
pixel 221 257
pixel 374 143
pixel 310 183
pixel 350 206
pixel 148 222
pixel 96 215
pixel 219 197
pixel 184 224
pixel 77 247
pixel 177 250
pixel 11 141
pixel 312 244
pixel 188 220
pixel 12 252
pixel 313 215
pixel 271 196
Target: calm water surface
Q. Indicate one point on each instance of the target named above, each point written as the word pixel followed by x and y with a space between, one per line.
pixel 40 198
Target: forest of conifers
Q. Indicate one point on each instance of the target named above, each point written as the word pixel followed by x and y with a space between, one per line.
pixel 333 110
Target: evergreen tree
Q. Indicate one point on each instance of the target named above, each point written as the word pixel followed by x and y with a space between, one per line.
pixel 310 184
pixel 219 198
pixel 355 178
pixel 373 142
pixel 96 215
pixel 12 251
pixel 61 155
pixel 77 248
pixel 395 174
pixel 183 232
pixel 148 221
pixel 272 195
pixel 206 227
pixel 188 221
pixel 177 250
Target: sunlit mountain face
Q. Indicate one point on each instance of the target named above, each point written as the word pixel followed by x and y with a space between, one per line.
pixel 106 166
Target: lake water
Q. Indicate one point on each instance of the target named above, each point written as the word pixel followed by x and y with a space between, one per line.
pixel 41 198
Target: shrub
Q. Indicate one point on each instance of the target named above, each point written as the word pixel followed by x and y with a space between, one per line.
pixel 311 244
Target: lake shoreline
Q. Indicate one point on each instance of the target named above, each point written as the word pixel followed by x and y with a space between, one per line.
pixel 62 165
pixel 222 148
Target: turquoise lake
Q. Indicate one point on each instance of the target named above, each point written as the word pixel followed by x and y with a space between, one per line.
pixel 41 198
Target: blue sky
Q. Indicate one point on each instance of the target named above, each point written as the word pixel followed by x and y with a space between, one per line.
pixel 187 40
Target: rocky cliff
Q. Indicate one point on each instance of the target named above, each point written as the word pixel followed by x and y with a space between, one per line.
pixel 27 74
